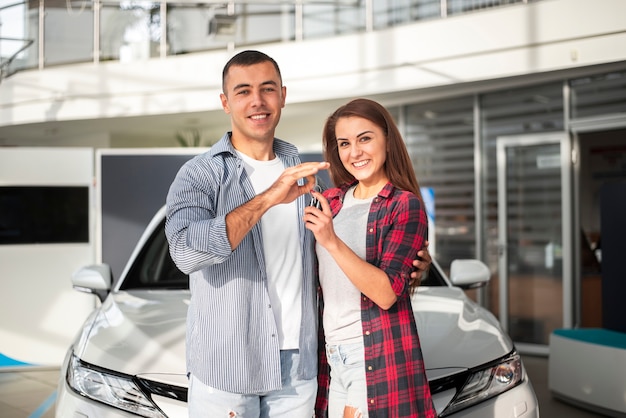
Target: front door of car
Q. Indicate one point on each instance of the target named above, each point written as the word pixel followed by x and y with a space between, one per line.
pixel 535 237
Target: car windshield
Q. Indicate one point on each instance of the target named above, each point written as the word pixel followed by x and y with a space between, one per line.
pixel 154 269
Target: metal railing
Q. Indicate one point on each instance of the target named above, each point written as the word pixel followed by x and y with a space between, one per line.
pixel 67 32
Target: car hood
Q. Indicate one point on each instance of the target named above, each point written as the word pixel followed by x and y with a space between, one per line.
pixel 143 333
pixel 138 333
pixel 456 333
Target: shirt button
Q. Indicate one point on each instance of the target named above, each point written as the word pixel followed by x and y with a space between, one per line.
pixel 367 333
pixel 371 229
pixel 372 401
pixel 369 368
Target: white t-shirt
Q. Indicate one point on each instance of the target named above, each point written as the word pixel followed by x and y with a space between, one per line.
pixel 281 247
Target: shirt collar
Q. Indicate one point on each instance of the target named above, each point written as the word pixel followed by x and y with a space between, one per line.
pixel 281 148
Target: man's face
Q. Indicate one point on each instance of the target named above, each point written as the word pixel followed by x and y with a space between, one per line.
pixel 253 98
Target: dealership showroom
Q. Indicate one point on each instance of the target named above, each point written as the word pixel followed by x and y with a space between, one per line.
pixel 514 116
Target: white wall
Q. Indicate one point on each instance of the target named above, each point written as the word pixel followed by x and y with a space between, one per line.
pixel 40 313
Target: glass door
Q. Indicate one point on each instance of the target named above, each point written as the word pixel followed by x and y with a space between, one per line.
pixel 534 234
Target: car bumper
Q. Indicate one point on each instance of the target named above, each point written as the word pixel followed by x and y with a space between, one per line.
pixel 519 402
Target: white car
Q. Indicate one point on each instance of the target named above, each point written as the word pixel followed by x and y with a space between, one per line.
pixel 129 357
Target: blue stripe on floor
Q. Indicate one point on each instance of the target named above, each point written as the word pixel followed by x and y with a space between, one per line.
pixel 6 361
pixel 43 408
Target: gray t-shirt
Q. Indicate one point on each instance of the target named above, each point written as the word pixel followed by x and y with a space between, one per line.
pixel 342 300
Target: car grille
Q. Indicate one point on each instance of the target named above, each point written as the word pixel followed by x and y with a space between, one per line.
pixel 455 382
pixel 162 389
pixel 179 393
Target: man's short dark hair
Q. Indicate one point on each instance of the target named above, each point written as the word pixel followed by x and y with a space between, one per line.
pixel 246 59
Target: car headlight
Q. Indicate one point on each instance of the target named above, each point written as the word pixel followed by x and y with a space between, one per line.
pixel 115 389
pixel 487 382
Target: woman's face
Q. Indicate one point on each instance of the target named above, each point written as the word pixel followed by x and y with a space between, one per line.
pixel 362 147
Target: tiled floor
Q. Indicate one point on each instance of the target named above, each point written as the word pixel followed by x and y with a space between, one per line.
pixel 28 394
pixel 31 394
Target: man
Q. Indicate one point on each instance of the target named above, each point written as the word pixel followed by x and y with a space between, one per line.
pixel 234 224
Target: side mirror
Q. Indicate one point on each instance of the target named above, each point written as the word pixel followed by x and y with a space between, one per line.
pixel 469 274
pixel 95 279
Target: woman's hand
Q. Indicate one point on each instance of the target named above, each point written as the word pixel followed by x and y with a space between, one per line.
pixel 319 220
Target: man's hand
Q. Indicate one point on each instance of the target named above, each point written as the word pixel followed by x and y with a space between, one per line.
pixel 286 189
pixel 421 264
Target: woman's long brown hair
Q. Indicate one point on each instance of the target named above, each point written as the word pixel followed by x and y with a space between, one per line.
pixel 398 166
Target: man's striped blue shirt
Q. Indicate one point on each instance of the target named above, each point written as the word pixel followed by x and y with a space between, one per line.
pixel 232 339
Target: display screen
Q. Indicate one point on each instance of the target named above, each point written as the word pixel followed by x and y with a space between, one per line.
pixel 44 214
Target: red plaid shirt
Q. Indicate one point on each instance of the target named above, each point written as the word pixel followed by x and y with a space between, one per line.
pixel 396 381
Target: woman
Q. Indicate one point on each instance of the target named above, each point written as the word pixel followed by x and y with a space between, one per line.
pixel 368 231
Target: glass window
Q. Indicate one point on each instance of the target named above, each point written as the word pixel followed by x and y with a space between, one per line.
pixel 130 30
pixel 334 18
pixel 44 215
pixel 258 23
pixel 68 29
pixel 19 35
pixel 198 27
pixel 440 139
pixel 524 111
pixel 529 110
pixel 394 12
pixel 603 94
pixel 464 6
